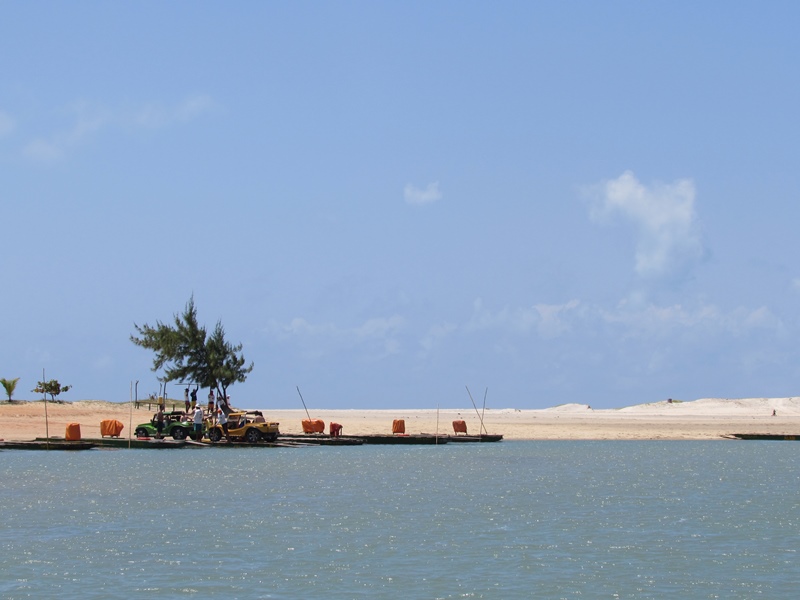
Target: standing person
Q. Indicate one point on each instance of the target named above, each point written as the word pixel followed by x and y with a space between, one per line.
pixel 186 398
pixel 211 402
pixel 198 423
pixel 159 422
pixel 223 422
pixel 194 396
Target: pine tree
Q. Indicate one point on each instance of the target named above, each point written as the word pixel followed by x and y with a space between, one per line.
pixel 186 352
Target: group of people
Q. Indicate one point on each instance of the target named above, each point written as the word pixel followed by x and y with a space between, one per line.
pixel 196 412
pixel 190 399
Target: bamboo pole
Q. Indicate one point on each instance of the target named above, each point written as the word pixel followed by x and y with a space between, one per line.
pixel 130 418
pixel 483 411
pixel 303 401
pixel 483 427
pixel 46 419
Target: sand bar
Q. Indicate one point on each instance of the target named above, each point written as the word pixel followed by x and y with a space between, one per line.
pixel 704 419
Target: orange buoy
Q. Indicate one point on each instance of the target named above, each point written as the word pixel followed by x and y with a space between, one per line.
pixel 73 433
pixel 110 428
pixel 460 427
pixel 313 426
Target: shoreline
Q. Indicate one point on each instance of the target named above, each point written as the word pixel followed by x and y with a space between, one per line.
pixel 703 419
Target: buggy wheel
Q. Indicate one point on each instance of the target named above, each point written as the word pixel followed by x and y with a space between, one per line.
pixel 214 435
pixel 178 433
pixel 252 436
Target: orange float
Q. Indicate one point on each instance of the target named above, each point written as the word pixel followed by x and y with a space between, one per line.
pixel 110 428
pixel 460 427
pixel 73 433
pixel 313 426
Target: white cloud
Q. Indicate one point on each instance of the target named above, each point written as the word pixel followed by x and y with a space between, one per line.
pixel 6 124
pixel 652 320
pixel 553 319
pixel 629 319
pixel 328 337
pixel 414 195
pixel 89 120
pixel 155 116
pixel 435 335
pixel 43 150
pixel 548 320
pixel 193 107
pixel 665 219
pixel 379 327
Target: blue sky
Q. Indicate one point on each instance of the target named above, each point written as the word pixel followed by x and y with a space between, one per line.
pixel 591 202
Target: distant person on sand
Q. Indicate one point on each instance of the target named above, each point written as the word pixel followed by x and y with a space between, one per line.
pixel 186 399
pixel 211 402
pixel 774 413
pixel 194 396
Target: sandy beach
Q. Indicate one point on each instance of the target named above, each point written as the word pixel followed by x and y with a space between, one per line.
pixel 703 419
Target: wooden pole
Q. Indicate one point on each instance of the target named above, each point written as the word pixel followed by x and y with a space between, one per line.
pixel 304 402
pixel 46 420
pixel 483 428
pixel 483 411
pixel 130 419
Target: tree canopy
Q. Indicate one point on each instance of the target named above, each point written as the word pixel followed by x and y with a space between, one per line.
pixel 9 385
pixel 52 388
pixel 186 352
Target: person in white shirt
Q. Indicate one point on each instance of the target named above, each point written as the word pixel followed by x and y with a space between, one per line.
pixel 223 422
pixel 198 423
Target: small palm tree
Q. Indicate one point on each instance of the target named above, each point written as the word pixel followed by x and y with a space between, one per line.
pixel 10 385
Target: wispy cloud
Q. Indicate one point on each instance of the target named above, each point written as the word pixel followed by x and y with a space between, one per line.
pixel 434 337
pixel 547 320
pixel 414 195
pixel 626 320
pixel 86 120
pixel 329 338
pixel 6 123
pixel 159 115
pixel 668 240
pixel 653 320
pixel 379 327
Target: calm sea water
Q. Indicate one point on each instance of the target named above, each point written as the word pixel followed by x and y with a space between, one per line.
pixel 508 520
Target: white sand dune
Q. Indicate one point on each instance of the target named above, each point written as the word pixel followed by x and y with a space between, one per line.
pixel 720 406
